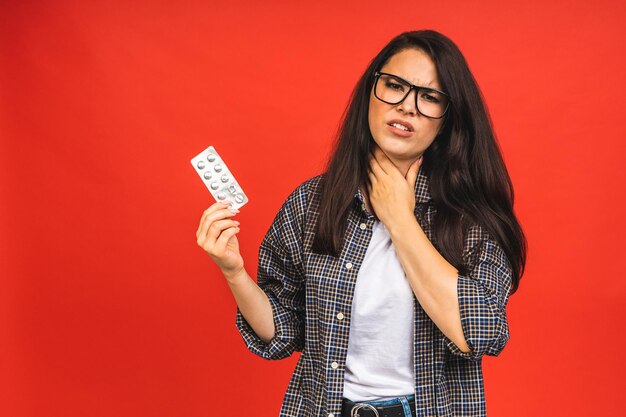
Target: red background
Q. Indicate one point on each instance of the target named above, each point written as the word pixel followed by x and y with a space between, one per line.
pixel 109 308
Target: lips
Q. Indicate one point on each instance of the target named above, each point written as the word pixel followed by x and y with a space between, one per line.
pixel 408 125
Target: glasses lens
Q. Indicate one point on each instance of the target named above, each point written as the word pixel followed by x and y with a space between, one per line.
pixel 393 90
pixel 431 103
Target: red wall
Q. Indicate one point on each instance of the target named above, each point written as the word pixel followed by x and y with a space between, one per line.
pixel 109 308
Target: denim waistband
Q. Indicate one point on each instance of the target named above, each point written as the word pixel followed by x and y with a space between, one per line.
pixel 404 402
pixel 391 401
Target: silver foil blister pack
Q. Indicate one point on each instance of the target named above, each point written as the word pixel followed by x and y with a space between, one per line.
pixel 218 178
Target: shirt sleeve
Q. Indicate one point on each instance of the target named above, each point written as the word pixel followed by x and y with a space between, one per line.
pixel 281 276
pixel 483 294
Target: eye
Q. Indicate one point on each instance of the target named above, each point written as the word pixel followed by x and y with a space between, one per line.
pixel 430 97
pixel 394 86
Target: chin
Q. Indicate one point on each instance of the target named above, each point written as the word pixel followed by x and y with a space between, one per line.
pixel 397 149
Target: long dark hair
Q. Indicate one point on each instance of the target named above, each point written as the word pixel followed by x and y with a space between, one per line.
pixel 468 181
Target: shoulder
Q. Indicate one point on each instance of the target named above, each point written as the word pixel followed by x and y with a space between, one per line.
pixel 300 200
pixel 290 221
pixel 305 193
pixel 312 185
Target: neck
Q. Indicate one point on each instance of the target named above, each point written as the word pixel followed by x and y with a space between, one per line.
pixel 403 165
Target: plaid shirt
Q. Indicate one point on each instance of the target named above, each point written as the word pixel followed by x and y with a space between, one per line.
pixel 311 297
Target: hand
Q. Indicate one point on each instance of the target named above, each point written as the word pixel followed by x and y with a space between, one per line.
pixel 391 194
pixel 216 235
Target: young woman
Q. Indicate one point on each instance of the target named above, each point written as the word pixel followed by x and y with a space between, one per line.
pixel 391 271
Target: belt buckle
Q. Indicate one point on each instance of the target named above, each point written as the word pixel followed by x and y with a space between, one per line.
pixel 354 412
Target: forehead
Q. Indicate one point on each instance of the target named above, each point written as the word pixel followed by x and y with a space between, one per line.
pixel 415 66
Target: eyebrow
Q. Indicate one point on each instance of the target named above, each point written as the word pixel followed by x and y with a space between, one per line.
pixel 429 84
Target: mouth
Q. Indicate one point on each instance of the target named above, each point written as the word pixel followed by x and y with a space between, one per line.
pixel 399 128
pixel 401 125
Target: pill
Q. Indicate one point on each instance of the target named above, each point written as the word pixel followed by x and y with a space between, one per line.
pixel 218 178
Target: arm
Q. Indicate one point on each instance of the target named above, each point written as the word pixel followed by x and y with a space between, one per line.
pixel 468 309
pixel 280 287
pixel 483 295
pixel 432 278
pixel 253 304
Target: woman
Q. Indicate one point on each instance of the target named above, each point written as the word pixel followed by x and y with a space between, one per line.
pixel 392 270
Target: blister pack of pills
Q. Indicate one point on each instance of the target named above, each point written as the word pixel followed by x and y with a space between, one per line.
pixel 218 178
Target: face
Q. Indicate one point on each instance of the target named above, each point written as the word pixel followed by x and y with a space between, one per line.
pixel 400 146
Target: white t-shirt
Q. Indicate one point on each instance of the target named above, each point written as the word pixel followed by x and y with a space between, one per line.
pixel 379 364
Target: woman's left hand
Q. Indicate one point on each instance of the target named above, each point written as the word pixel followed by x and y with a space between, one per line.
pixel 392 195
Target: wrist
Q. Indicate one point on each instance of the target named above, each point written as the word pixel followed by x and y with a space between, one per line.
pixel 234 276
pixel 401 223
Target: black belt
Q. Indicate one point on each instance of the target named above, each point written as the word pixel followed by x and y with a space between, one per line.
pixel 366 410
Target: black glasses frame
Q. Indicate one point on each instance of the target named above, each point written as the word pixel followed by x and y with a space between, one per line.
pixel 417 89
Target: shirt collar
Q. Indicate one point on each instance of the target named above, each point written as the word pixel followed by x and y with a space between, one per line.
pixel 422 189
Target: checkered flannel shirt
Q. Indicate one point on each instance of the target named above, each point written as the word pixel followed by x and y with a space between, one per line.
pixel 311 297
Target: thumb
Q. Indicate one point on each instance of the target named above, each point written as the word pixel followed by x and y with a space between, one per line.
pixel 411 175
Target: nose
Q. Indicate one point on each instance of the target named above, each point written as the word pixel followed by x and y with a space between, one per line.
pixel 408 105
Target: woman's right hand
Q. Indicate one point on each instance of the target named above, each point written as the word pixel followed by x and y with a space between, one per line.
pixel 216 235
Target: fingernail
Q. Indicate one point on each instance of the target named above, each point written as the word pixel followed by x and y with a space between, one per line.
pixel 237 223
pixel 233 210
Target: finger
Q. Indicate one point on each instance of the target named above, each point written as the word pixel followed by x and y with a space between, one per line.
pixel 217 227
pixel 220 215
pixel 375 168
pixel 377 152
pixel 384 161
pixel 411 175
pixel 371 176
pixel 209 219
pixel 202 233
pixel 378 156
pixel 220 244
pixel 211 209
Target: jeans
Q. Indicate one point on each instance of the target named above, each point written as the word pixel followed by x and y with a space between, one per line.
pixel 400 400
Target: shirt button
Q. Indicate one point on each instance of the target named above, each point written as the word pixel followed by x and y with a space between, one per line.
pixel 349 265
pixel 363 226
pixel 340 316
pixel 334 365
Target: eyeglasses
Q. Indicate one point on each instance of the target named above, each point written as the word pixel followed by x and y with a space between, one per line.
pixel 392 89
